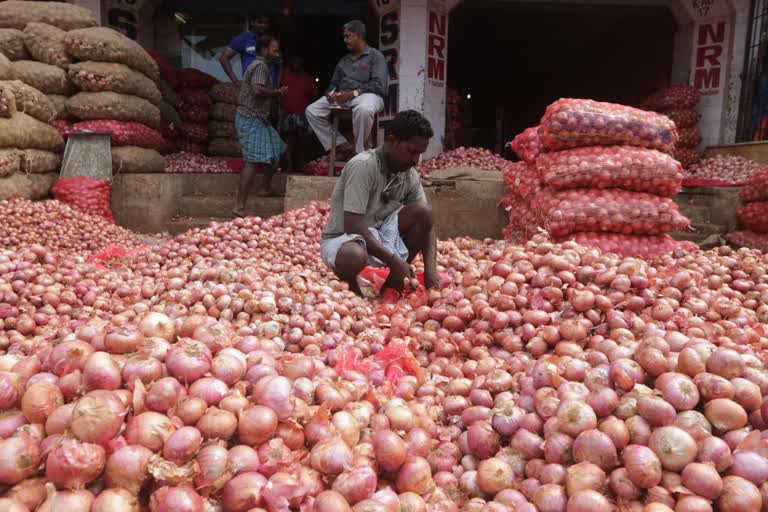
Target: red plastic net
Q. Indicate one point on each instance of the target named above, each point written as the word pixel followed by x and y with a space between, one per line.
pixel 756 187
pixel 749 239
pixel 637 246
pixel 686 156
pixel 689 138
pixel 527 145
pixel 754 216
pixel 624 167
pixel 572 123
pixel 87 194
pixel 684 118
pixel 113 254
pixel 395 360
pixel 523 181
pixel 609 210
pixel 62 126
pixel 124 133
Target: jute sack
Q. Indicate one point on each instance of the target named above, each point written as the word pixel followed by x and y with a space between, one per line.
pixel 169 95
pixel 16 14
pixel 27 186
pixel 59 105
pixel 112 105
pixel 223 112
pixel 6 69
pixel 225 92
pixel 168 113
pixel 222 129
pixel 43 77
pixel 23 131
pixel 30 101
pixel 109 76
pixel 10 161
pixel 224 147
pixel 7 102
pixel 12 44
pixel 46 44
pixel 103 44
pixel 37 161
pixel 132 159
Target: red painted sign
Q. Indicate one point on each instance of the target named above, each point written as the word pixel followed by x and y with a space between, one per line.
pixel 710 42
pixel 437 45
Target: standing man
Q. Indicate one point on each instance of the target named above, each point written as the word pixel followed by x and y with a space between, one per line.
pixel 360 82
pixel 293 122
pixel 379 213
pixel 260 144
pixel 247 46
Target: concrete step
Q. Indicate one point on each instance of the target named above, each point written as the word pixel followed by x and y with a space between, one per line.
pixel 220 206
pixel 225 184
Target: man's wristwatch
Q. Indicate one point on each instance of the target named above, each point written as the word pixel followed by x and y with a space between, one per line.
pixel 356 93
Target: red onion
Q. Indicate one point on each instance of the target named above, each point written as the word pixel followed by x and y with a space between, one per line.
pixel 188 360
pixel 674 447
pixel 97 417
pixel 157 325
pixel 73 464
pixel 595 447
pixel 243 492
pixel 213 460
pixel 702 479
pixel 256 424
pixel 182 445
pixel 101 372
pixel 19 458
pixel 164 394
pixel 75 500
pixel 275 392
pixel 117 500
pixel 217 424
pixel 40 400
pixel 750 466
pixel 149 429
pixel 357 484
pixel 738 495
pixel 175 499
pixel 494 475
pixel 414 475
pixel 127 468
pixel 330 456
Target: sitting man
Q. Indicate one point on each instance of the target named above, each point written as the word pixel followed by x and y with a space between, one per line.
pixel 359 82
pixel 379 213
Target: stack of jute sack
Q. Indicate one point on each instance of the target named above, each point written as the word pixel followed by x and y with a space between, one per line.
pixel 222 129
pixel 117 80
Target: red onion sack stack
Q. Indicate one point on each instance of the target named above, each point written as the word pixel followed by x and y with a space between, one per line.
pixel 753 215
pixel 680 103
pixel 600 172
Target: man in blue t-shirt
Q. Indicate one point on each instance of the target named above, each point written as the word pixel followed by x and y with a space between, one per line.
pixel 246 45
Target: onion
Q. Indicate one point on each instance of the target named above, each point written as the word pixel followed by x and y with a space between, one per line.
pixel 595 447
pixel 357 484
pixel 40 400
pixel 164 394
pixel 642 465
pixel 127 468
pixel 679 390
pixel 738 495
pixel 588 501
pixel 331 456
pixel 750 466
pixel 331 501
pixel 550 498
pixel 117 500
pixel 11 505
pixel 725 415
pixel 101 372
pixel 97 417
pixel 256 424
pixel 29 492
pixel 76 500
pixel 217 424
pixel 494 475
pixel 702 479
pixel 59 420
pixel 189 410
pixel 149 429
pixel 157 325
pixel 243 492
pixel 716 451
pixel 10 390
pixel 243 459
pixel 188 360
pixel 19 458
pixel 176 499
pixel 582 476
pixel 182 445
pixel 213 460
pixel 73 464
pixel 390 450
pixel 67 357
pixel 674 447
pixel 415 475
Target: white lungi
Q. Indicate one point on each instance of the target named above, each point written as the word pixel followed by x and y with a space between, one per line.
pixel 364 109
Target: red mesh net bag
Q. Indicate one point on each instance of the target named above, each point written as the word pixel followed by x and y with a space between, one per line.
pixel 197 133
pixel 522 180
pixel 673 97
pixel 395 360
pixel 684 118
pixel 527 145
pixel 114 254
pixel 87 194
pixel 754 216
pixel 749 239
pixel 572 123
pixel 689 138
pixel 686 156
pixel 625 167
pixel 190 78
pixel 124 133
pixel 196 114
pixel 196 97
pixel 756 187
pixel 612 210
pixel 62 126
pixel 637 246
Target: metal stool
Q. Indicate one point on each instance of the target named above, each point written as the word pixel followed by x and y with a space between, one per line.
pixel 345 114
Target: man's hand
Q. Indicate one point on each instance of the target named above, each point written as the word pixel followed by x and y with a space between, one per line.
pixel 431 279
pixel 283 90
pixel 344 97
pixel 399 271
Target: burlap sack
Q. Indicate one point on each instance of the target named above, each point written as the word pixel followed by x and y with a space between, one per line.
pixel 59 105
pixel 43 77
pixel 112 105
pixel 27 186
pixel 223 112
pixel 12 44
pixel 225 92
pixel 103 44
pixel 6 69
pixel 168 113
pixel 108 76
pixel 30 101
pixel 169 95
pixel 7 102
pixel 16 14
pixel 224 147
pixel 37 161
pixel 46 44
pixel 132 159
pixel 23 131
pixel 222 129
pixel 10 161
